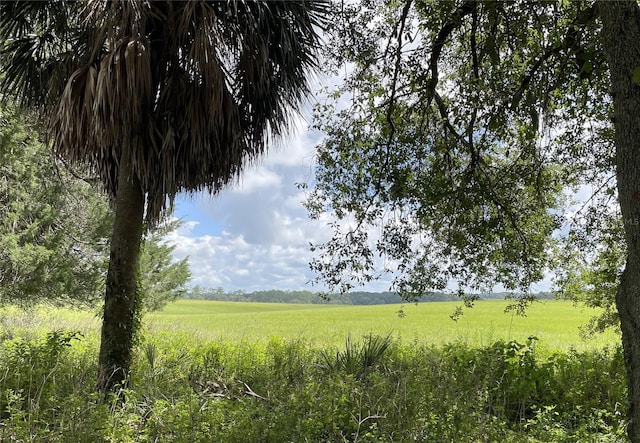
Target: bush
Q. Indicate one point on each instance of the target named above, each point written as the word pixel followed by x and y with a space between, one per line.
pixel 375 390
pixel 358 359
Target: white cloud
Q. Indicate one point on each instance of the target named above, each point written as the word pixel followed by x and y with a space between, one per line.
pixel 257 177
pixel 233 263
pixel 256 236
pixel 265 234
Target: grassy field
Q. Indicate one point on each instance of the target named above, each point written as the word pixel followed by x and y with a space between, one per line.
pixel 556 323
pixel 265 373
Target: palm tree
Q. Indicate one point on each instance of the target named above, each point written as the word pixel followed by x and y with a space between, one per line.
pixel 156 97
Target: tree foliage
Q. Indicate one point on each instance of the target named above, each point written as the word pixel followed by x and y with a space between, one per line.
pixel 456 135
pixel 55 229
pixel 162 82
pixel 162 279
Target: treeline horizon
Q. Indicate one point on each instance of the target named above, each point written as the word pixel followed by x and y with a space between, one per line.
pixel 351 298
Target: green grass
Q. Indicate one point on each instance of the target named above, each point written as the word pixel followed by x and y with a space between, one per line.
pixel 556 323
pixel 272 373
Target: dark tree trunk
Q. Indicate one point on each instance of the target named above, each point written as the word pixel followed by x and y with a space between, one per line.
pixel 621 36
pixel 119 320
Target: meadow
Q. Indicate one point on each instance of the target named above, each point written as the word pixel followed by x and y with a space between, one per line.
pixel 557 324
pixel 246 372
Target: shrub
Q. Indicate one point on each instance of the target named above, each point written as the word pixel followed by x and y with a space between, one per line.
pixel 376 390
pixel 358 359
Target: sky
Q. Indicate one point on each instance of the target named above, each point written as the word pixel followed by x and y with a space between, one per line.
pixel 255 235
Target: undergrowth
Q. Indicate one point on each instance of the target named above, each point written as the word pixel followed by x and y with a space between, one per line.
pixel 373 390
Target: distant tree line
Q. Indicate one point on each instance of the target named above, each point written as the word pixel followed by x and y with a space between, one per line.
pixel 309 297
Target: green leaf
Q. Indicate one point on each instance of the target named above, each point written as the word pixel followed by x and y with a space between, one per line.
pixel 636 76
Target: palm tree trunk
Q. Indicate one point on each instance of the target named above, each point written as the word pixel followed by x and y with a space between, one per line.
pixel 119 320
pixel 621 34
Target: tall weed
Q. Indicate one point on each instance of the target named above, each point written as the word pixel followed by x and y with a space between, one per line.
pixel 375 390
pixel 358 359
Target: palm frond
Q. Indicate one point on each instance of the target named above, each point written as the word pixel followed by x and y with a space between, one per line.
pixel 194 90
pixel 36 44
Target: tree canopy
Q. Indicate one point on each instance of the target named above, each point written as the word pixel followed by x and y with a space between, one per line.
pixel 461 133
pixel 54 235
pixel 188 91
pixel 55 227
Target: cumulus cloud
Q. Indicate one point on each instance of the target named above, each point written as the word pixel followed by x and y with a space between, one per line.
pixel 256 235
pixel 228 260
pixel 257 178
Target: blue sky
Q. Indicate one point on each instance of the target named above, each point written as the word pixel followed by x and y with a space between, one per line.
pixel 255 235
pixel 189 208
